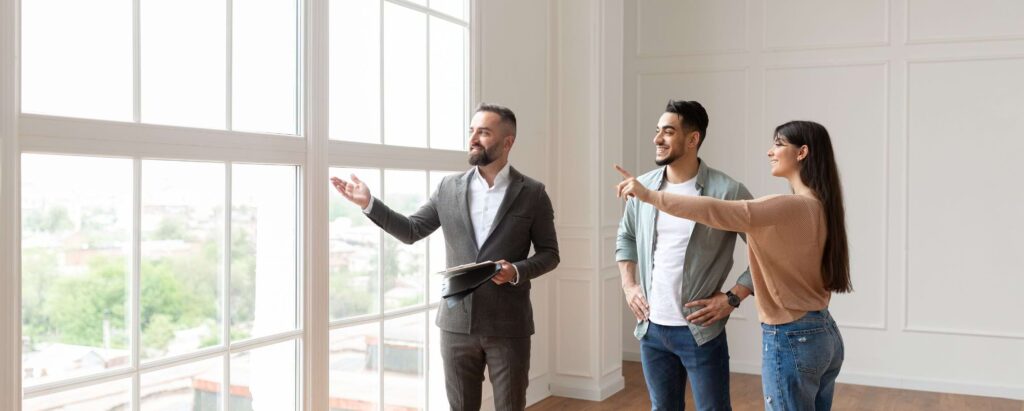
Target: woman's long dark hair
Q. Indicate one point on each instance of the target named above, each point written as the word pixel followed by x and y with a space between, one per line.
pixel 819 172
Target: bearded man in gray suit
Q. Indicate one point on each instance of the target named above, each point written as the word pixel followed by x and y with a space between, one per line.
pixel 490 212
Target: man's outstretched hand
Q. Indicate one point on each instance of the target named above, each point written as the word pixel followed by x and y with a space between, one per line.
pixel 355 191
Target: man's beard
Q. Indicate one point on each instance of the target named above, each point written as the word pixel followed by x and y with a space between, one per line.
pixel 667 160
pixel 482 157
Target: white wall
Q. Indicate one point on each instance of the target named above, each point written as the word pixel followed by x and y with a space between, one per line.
pixel 924 101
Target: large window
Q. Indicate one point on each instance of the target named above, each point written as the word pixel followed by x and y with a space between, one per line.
pixel 177 280
pixel 399 72
pixel 162 247
pixel 218 64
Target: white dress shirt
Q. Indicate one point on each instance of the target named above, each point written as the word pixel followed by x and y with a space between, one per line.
pixel 483 205
pixel 484 201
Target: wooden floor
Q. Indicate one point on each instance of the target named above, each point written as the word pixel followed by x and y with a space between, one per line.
pixel 746 395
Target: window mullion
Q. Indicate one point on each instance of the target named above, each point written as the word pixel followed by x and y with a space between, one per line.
pixel 136 280
pixel 467 77
pixel 10 210
pixel 381 291
pixel 136 62
pixel 316 300
pixel 226 290
pixel 426 281
pixel 228 61
pixel 300 76
pixel 380 67
pixel 426 40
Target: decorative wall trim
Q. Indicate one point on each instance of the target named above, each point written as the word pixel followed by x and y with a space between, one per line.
pixel 642 55
pixel 884 43
pixel 610 335
pixel 949 39
pixel 560 368
pixel 906 326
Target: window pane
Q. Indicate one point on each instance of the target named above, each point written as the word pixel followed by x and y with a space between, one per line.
pixel 183 62
pixel 192 387
pixel 355 70
pixel 77 58
pixel 264 232
pixel 405 79
pixel 76 259
pixel 436 391
pixel 263 66
pixel 447 85
pixel 114 395
pixel 354 381
pixel 404 266
pixel 437 246
pixel 454 8
pixel 354 250
pixel 182 256
pixel 265 378
pixel 404 382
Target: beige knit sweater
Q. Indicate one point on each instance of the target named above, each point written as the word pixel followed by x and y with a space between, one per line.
pixel 785 237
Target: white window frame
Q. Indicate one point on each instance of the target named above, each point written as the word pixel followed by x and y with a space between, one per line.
pixel 313 152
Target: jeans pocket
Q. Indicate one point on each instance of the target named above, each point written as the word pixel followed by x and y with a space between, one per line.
pixel 812 349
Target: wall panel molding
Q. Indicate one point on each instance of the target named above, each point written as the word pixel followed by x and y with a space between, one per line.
pixel 908 277
pixel 938 39
pixel 886 36
pixel 567 289
pixel 642 52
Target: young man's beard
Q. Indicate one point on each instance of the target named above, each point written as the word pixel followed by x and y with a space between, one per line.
pixel 481 158
pixel 667 160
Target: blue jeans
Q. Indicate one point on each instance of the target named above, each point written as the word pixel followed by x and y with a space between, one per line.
pixel 670 354
pixel 801 362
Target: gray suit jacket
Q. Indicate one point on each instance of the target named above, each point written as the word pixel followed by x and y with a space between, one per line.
pixel 524 217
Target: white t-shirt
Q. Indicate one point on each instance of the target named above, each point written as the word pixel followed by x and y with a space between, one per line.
pixel 673 237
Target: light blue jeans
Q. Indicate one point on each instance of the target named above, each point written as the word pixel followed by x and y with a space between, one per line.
pixel 801 362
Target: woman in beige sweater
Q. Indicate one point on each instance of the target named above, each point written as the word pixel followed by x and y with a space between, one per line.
pixel 798 257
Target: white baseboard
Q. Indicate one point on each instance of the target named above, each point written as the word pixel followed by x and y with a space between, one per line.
pixel 586 389
pixel 744 368
pixel 905 383
pixel 539 389
pixel 631 356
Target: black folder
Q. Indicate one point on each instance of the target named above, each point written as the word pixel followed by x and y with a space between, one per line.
pixel 462 280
